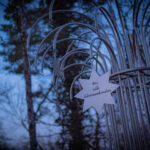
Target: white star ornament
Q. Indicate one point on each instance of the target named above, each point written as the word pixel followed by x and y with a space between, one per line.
pixel 96 91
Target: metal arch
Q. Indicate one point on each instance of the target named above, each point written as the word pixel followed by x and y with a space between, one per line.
pixel 133 96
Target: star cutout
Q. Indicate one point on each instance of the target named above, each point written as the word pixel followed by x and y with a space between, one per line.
pixel 96 91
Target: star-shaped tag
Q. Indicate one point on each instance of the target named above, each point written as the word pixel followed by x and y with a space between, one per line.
pixel 96 91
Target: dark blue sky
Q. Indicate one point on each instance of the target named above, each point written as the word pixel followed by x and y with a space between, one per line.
pixel 3 3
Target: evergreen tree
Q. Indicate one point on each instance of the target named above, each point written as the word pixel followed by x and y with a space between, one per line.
pixel 20 16
pixel 73 135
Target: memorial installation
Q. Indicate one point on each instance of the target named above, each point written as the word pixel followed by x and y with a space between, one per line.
pixel 114 75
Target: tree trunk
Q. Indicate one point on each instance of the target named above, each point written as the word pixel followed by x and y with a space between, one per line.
pixel 27 76
pixel 97 132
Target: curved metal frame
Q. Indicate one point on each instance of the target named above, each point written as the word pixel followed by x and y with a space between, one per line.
pixel 134 106
pixel 123 52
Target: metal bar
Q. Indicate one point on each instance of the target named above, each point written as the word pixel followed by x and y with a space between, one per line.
pixel 134 114
pixel 125 114
pixel 112 127
pixel 125 135
pixel 131 117
pixel 115 126
pixel 129 70
pixel 141 121
pixel 143 98
pixel 148 107
pixel 146 96
pixel 108 130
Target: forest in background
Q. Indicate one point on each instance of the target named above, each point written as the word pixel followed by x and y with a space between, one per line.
pixel 49 118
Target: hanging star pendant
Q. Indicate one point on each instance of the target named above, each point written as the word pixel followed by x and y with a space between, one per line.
pixel 96 91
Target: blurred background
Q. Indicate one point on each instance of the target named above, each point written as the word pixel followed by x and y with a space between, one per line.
pixel 35 114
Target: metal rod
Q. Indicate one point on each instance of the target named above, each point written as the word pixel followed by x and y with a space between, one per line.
pixel 133 135
pixel 146 96
pixel 141 121
pixel 135 119
pixel 112 127
pixel 143 98
pixel 125 136
pixel 115 126
pixel 125 114
pixel 108 130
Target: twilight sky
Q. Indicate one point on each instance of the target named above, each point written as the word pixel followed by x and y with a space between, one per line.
pixel 10 123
